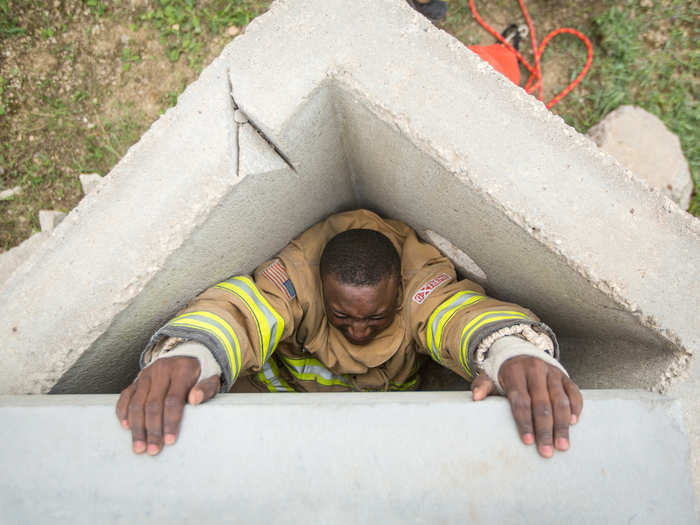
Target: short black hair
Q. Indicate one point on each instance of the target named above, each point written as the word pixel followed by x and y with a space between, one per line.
pixel 360 257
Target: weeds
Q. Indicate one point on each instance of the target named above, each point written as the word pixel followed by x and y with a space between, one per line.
pixel 9 25
pixel 109 141
pixel 97 7
pixel 645 58
pixel 129 58
pixel 3 106
pixel 183 26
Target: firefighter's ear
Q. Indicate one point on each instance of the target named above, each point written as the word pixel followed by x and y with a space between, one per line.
pixel 482 387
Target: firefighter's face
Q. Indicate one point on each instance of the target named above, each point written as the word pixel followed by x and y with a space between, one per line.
pixel 360 312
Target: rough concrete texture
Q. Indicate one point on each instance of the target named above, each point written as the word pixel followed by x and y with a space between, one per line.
pixel 15 257
pixel 90 182
pixel 344 458
pixel 363 103
pixel 642 143
pixel 465 265
pixel 49 219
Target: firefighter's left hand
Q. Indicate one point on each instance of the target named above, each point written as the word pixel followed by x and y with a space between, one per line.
pixel 544 401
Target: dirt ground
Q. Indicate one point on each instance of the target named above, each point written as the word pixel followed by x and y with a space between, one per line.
pixel 76 96
pixel 81 80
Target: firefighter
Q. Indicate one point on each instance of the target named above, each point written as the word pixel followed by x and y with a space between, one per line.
pixel 356 303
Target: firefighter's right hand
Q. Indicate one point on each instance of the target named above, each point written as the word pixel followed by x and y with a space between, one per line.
pixel 152 405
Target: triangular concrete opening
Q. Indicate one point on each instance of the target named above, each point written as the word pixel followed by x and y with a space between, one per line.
pixel 441 142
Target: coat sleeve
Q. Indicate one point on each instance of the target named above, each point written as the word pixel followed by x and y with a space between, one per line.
pixel 450 318
pixel 241 321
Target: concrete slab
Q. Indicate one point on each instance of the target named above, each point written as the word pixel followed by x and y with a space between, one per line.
pixel 15 257
pixel 344 458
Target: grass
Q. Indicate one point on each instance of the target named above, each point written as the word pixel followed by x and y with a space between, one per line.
pixel 644 55
pixel 9 24
pixel 183 25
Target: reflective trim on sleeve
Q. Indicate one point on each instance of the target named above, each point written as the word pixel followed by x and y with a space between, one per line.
pixel 219 329
pixel 408 385
pixel 442 315
pixel 270 376
pixel 270 324
pixel 310 369
pixel 472 326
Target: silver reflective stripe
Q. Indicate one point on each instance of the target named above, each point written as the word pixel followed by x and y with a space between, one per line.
pixel 442 314
pixel 270 324
pixel 219 329
pixel 310 369
pixel 272 379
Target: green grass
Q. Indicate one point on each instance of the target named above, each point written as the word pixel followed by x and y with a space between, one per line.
pixel 184 25
pixel 3 103
pixel 128 58
pixel 629 67
pixel 661 78
pixel 9 24
pixel 45 140
pixel 108 142
pixel 97 7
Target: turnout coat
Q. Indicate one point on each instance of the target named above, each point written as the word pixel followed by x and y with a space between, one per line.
pixel 270 331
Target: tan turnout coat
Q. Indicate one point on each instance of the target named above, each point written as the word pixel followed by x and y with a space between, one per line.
pixel 272 330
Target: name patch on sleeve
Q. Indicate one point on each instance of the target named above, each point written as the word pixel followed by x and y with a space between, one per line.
pixel 278 275
pixel 425 290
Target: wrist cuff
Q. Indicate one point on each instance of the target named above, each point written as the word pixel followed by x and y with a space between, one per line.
pixel 512 346
pixel 208 366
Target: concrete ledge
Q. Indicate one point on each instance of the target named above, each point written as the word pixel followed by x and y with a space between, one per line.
pixel 344 458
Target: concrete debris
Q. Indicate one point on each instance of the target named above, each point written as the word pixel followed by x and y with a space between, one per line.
pixel 90 182
pixel 12 192
pixel 49 219
pixel 641 142
pixel 233 31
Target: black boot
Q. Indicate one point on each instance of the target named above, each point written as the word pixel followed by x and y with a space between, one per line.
pixel 435 10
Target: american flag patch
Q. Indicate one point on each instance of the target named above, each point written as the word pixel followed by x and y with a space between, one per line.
pixel 425 290
pixel 278 275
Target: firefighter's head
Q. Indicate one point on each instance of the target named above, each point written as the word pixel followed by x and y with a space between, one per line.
pixel 361 276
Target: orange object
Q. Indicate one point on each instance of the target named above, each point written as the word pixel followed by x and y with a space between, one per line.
pixel 502 59
pixel 535 81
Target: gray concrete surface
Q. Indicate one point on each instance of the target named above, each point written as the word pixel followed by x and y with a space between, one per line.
pixel 15 257
pixel 344 458
pixel 362 103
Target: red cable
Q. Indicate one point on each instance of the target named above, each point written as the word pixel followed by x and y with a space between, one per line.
pixel 534 82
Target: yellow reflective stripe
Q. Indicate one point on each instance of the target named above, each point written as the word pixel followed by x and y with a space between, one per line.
pixel 310 369
pixel 404 386
pixel 269 323
pixel 442 315
pixel 476 323
pixel 227 339
pixel 271 378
